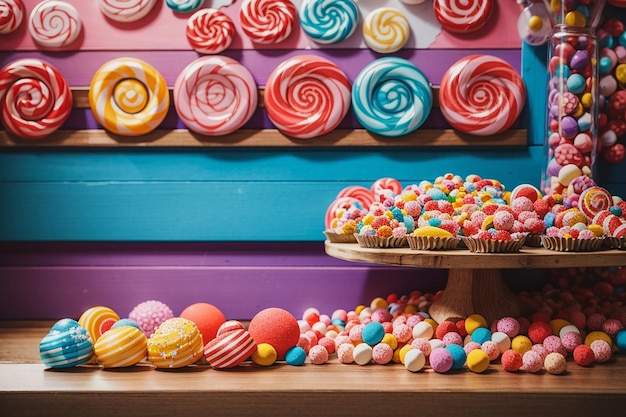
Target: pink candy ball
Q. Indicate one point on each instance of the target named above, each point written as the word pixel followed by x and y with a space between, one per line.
pixel 441 360
pixel 422 344
pixel 571 340
pixel 503 220
pixel 345 353
pixel 601 350
pixel 553 344
pixel 382 353
pixel 413 319
pixel 328 343
pixel 612 326
pixel 452 338
pixel 555 363
pixel 491 349
pixel 469 346
pixel 508 325
pixel 356 333
pixel 318 355
pixel 381 315
pixel 402 333
pixel 532 362
pixel 595 321
pixel 149 315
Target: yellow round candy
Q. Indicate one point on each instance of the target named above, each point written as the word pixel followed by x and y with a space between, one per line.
pixel 579 111
pixel 575 19
pixel 620 73
pixel 596 229
pixel 391 340
pixel 473 322
pixel 410 309
pixel 521 344
pixel 402 352
pixel 358 309
pixel 598 335
pixel 265 354
pixel 557 324
pixel 535 23
pixel 386 30
pixel 586 100
pixel 477 361
pixel 378 302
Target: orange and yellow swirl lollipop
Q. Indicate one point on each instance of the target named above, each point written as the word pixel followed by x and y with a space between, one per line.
pixel 128 97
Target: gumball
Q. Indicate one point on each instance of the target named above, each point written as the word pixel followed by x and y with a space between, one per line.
pixel 206 317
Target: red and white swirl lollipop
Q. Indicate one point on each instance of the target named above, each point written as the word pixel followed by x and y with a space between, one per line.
pixel 210 31
pixel 11 15
pixel 307 96
pixel 463 16
pixel 267 21
pixel 594 200
pixel 363 194
pixel 339 203
pixel 385 186
pixel 215 95
pixel 482 95
pixel 54 24
pixel 126 10
pixel 34 98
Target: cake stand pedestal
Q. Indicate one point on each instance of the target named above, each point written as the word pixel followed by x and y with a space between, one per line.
pixel 475 279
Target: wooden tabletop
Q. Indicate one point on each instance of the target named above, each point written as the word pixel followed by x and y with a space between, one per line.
pixel 27 388
pixel 464 259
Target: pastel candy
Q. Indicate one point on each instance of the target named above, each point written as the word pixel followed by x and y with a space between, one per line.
pixel 267 21
pixel 54 24
pixel 120 347
pixel 391 97
pixel 97 320
pixel 215 95
pixel 176 343
pixel 34 98
pixel 66 345
pixel 229 349
pixel 482 95
pixel 463 16
pixel 184 6
pixel 210 31
pixel 11 15
pixel 126 10
pixel 128 97
pixel 307 96
pixel 386 30
pixel 328 21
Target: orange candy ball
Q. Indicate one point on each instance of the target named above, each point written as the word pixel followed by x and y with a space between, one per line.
pixel 206 317
pixel 276 327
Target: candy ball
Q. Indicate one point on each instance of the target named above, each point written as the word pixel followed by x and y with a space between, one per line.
pixel 345 353
pixel 362 354
pixel 481 335
pixel 67 344
pixel 277 327
pixel 508 325
pixel 474 321
pixel 423 329
pixel 583 355
pixel 373 332
pixel 477 361
pixel 319 355
pixel 149 315
pixel 97 320
pixel 295 356
pixel 382 354
pixel 532 362
pixel 265 355
pixel 414 360
pixel 121 347
pixel 601 350
pixel 538 331
pixel 458 356
pixel 555 363
pixel 620 339
pixel 441 360
pixel 521 344
pixel 207 318
pixel 511 360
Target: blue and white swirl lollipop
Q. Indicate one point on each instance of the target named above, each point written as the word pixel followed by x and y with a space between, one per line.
pixel 391 97
pixel 328 21
pixel 184 6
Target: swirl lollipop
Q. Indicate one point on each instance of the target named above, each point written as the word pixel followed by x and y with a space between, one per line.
pixel 210 31
pixel 267 21
pixel 307 96
pixel 391 97
pixel 385 186
pixel 34 98
pixel 126 10
pixel 11 15
pixel 386 30
pixel 482 95
pixel 54 24
pixel 128 97
pixel 594 200
pixel 184 6
pixel 338 204
pixel 463 16
pixel 215 95
pixel 328 21
pixel 363 194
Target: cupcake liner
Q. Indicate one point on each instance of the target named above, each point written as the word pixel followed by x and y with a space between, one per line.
pixel 367 241
pixel 562 244
pixel 493 246
pixel 533 240
pixel 615 243
pixel 432 242
pixel 335 237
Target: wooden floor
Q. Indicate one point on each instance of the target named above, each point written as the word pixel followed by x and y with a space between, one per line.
pixel 27 388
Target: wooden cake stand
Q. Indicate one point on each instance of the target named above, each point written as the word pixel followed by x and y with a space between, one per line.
pixel 475 279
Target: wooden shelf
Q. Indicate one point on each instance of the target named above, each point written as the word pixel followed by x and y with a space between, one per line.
pixel 27 388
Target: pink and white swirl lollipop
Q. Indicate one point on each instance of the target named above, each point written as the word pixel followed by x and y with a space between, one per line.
pixel 210 31
pixel 267 21
pixel 215 95
pixel 386 186
pixel 482 95
pixel 34 98
pixel 126 10
pixel 363 194
pixel 11 15
pixel 307 96
pixel 463 16
pixel 337 204
pixel 54 24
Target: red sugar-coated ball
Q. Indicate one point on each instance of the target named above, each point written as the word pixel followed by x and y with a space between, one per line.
pixel 276 327
pixel 511 360
pixel 595 321
pixel 460 327
pixel 612 326
pixel 328 343
pixel 583 355
pixel 538 331
pixel 444 327
pixel 206 317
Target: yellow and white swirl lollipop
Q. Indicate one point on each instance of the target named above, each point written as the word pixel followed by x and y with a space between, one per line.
pixel 386 30
pixel 128 97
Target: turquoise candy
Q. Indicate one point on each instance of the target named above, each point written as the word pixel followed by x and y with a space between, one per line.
pixel 328 21
pixel 67 345
pixel 481 335
pixel 391 97
pixel 184 6
pixel 125 322
pixel 459 357
pixel 576 83
pixel 295 356
pixel 373 333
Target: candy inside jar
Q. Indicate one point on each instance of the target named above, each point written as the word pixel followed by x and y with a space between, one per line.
pixel 571 139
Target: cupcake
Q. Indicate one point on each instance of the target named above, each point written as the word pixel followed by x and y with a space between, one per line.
pixel 384 226
pixel 432 238
pixel 342 220
pixel 578 238
pixel 494 241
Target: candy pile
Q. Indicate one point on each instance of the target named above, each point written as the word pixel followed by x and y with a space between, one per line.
pixel 578 316
pixel 477 210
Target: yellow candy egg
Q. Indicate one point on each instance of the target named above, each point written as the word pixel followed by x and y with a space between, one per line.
pixel 378 302
pixel 575 19
pixel 477 361
pixel 535 23
pixel 391 340
pixel 473 322
pixel 598 335
pixel 265 354
pixel 586 100
pixel 620 73
pixel 402 352
pixel 521 344
pixel 596 229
